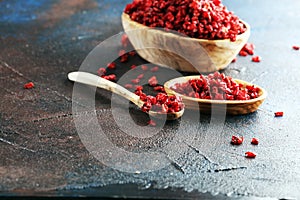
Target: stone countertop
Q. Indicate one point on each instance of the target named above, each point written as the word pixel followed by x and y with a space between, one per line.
pixel 49 142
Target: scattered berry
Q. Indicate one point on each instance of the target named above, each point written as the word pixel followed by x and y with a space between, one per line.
pixel 128 86
pixel 254 141
pixel 111 65
pixel 256 58
pixel 278 114
pixel 296 47
pixel 152 81
pixel 122 52
pixel 111 77
pixel 250 154
pixel 139 88
pixel 159 88
pixel 154 69
pixel 28 85
pixel 243 53
pixel 235 140
pixel 144 67
pixel 152 123
pixel 124 40
pixel 132 53
pixel 135 81
pixel 132 66
pixel 124 58
pixel 140 76
pixel 101 71
pixel 249 48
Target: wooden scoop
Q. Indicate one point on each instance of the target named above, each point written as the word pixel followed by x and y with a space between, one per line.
pixel 233 107
pixel 94 80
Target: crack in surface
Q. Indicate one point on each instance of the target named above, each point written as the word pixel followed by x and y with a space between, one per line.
pixel 202 154
pixel 10 132
pixel 229 169
pixel 2 63
pixel 11 69
pixel 61 95
pixel 53 117
pixel 235 69
pixel 266 111
pixel 259 76
pixel 16 145
pixel 175 164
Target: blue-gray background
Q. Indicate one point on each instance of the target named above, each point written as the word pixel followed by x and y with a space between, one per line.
pixel 41 152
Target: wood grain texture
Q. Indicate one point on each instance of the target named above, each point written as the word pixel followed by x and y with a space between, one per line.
pixel 171 50
pixel 233 107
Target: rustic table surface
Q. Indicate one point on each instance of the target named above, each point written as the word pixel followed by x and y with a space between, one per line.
pixel 49 148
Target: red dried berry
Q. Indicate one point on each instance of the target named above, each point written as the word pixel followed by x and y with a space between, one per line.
pixel 235 140
pixel 256 58
pixel 243 53
pixel 278 114
pixel 135 81
pixel 138 92
pixel 152 81
pixel 250 154
pixel 296 47
pixel 101 71
pixel 140 76
pixel 217 2
pixel 146 106
pixel 132 66
pixel 144 67
pixel 159 88
pixel 234 60
pixel 122 52
pixel 124 40
pixel 250 52
pixel 254 141
pixel 132 53
pixel 124 58
pixel 105 77
pixel 154 69
pixel 111 77
pixel 111 65
pixel 28 85
pixel 139 88
pixel 249 48
pixel 143 97
pixel 128 86
pixel 152 123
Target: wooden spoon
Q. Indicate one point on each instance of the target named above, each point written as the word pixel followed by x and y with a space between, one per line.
pixel 94 80
pixel 233 107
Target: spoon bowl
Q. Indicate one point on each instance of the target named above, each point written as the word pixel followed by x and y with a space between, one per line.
pixel 94 80
pixel 233 107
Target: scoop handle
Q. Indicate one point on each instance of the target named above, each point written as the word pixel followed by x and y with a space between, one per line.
pixel 94 80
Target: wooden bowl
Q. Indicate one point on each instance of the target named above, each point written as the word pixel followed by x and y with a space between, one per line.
pixel 233 107
pixel 187 54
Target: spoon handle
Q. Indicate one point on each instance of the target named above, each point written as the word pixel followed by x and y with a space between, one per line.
pixel 94 80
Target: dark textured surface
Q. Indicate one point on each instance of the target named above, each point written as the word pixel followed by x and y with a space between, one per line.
pixel 42 154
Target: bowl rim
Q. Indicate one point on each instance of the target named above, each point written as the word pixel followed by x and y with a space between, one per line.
pixel 125 16
pixel 168 84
